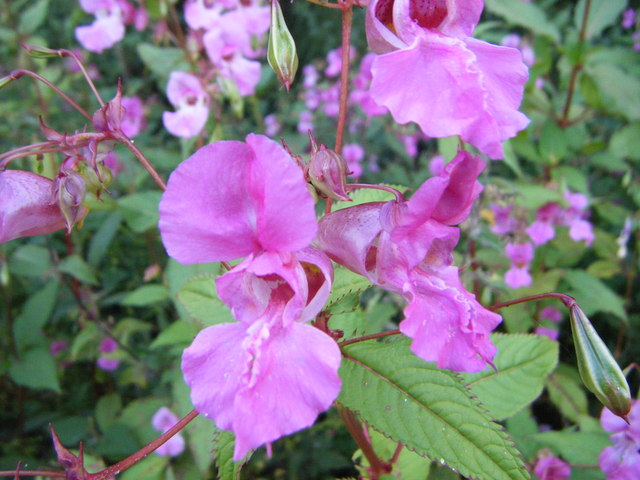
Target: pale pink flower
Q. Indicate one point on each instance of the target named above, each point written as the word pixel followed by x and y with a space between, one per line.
pixel 58 346
pixel 503 223
pixel 108 27
pixel 432 72
pixel 353 154
pixel 551 333
pixel 106 362
pixel 192 103
pixel 628 18
pixel 552 468
pixel 133 121
pixel 27 205
pixel 162 421
pixel 622 460
pixel 361 92
pixel 520 255
pixel 406 247
pixel 551 313
pixel 270 374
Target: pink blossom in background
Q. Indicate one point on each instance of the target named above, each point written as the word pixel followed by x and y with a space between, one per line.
pixel 551 313
pixel 57 347
pixel 192 103
pixel 406 247
pixel 520 255
pixel 108 345
pixel 573 217
pixel 334 61
pixel 437 165
pixel 361 91
pixel 503 223
pixel 309 76
pixel 108 364
pixel 305 121
pixel 542 229
pixel 203 14
pixel 162 421
pixel 133 121
pixel 628 18
pixel 108 27
pixel 353 155
pixel 552 468
pixel 431 71
pixel 269 374
pixel 113 163
pixel 27 205
pixel 551 333
pixel 622 460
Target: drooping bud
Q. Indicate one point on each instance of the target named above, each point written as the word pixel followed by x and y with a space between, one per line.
pixel 109 117
pixel 599 371
pixel 281 52
pixel 327 172
pixel 40 52
pixel 70 191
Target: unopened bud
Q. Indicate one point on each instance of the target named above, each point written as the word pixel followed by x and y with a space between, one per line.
pixel 328 172
pixel 599 371
pixel 70 191
pixel 4 81
pixel 281 52
pixel 40 52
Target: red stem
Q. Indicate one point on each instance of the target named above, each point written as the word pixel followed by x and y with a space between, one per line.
pixel 31 473
pixel 69 53
pixel 16 74
pixel 126 141
pixel 121 466
pixel 373 336
pixel 377 466
pixel 347 19
pixel 566 299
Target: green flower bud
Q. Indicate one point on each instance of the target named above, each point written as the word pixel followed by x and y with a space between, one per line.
pixel 599 371
pixel 40 52
pixel 6 80
pixel 281 52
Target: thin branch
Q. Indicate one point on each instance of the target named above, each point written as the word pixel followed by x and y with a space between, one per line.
pixel 347 20
pixel 373 336
pixel 31 473
pixel 568 300
pixel 127 142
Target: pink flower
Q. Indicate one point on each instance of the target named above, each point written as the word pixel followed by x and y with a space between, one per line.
pixel 108 364
pixel 551 313
pixel 406 247
pixel 552 468
pixel 430 71
pixel 521 255
pixel 269 374
pixel 622 460
pixel 353 155
pixel 504 223
pixel 192 103
pixel 27 205
pixel 162 421
pixel 108 26
pixel 133 121
pixel 105 362
pixel 628 18
pixel 57 347
pixel 361 92
pixel 542 230
pixel 547 332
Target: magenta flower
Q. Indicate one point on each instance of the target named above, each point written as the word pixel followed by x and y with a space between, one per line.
pixel 162 421
pixel 432 72
pixel 28 205
pixel 520 255
pixel 133 121
pixel 353 154
pixel 106 362
pixel 108 26
pixel 622 460
pixel 406 247
pixel 186 94
pixel 552 468
pixel 270 374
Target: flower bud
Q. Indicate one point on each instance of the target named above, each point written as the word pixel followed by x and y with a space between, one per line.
pixel 599 371
pixel 70 191
pixel 327 172
pixel 281 52
pixel 40 52
pixel 4 81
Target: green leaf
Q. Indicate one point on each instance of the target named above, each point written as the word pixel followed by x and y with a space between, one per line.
pixel 368 195
pixel 34 316
pixel 140 210
pixel 593 295
pixel 30 261
pixel 626 142
pixel 162 60
pixel 35 369
pixel 523 363
pixel 620 90
pixel 566 392
pixel 223 451
pixel 428 409
pixel 33 17
pixel 146 295
pixel 101 240
pixel 535 196
pixel 527 15
pixel 201 300
pixel 577 448
pixel 602 13
pixel 345 283
pixel 178 333
pixel 79 269
pixel 107 410
pixel 149 468
pixel 553 142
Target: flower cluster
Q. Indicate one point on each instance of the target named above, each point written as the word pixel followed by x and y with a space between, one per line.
pixel 622 460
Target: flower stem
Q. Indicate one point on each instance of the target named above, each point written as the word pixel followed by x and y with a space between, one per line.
pixel 16 74
pixel 31 473
pixel 119 467
pixel 347 19
pixel 69 53
pixel 393 191
pixel 127 142
pixel 373 336
pixel 566 299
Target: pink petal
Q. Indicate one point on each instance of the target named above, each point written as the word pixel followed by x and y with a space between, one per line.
pixel 581 230
pixel 187 122
pixel 163 419
pixel 517 277
pixel 541 232
pixel 183 85
pixel 27 206
pixel 133 121
pixel 446 323
pixel 206 213
pixel 102 34
pixel 262 383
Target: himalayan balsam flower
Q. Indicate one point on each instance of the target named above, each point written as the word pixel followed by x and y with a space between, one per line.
pixel 552 468
pixel 133 121
pixel 520 255
pixel 192 103
pixel 27 205
pixel 622 460
pixel 269 374
pixel 162 421
pixel 406 247
pixel 105 362
pixel 108 26
pixel 432 72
